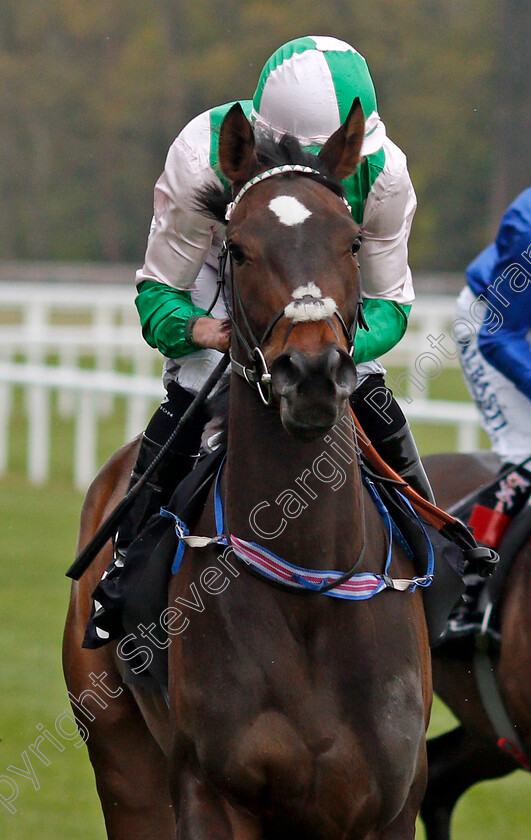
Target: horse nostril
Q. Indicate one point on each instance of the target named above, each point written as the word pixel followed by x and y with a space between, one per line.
pixel 287 371
pixel 331 371
pixel 341 370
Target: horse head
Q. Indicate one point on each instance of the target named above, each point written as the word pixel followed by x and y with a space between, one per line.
pixel 292 244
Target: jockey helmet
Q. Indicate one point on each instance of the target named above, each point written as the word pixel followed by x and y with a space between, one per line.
pixel 307 88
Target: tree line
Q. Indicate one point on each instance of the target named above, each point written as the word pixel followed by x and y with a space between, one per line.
pixel 92 93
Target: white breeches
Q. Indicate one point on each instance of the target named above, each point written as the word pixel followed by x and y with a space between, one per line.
pixel 505 411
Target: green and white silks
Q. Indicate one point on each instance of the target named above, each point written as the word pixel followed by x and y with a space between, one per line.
pixel 307 88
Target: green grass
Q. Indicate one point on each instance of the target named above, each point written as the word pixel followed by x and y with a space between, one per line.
pixel 38 532
pixel 38 528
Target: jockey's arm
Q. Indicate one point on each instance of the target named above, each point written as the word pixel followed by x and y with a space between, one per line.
pixel 386 280
pixel 178 245
pixel 164 312
pixel 387 322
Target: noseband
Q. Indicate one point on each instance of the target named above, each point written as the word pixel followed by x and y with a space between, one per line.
pixel 307 304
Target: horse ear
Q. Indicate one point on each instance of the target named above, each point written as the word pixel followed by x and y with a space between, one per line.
pixel 236 146
pixel 341 152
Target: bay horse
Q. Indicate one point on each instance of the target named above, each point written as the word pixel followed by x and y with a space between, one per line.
pixel 469 753
pixel 288 715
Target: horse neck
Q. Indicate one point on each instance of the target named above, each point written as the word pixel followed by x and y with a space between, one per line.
pixel 273 485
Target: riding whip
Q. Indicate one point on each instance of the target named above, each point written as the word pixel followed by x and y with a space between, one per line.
pixel 110 526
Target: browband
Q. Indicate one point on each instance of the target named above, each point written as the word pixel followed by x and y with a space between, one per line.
pixel 269 173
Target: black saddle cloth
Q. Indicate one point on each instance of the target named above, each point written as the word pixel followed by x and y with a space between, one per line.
pixel 137 593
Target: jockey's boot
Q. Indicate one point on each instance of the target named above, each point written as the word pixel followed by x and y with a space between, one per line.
pixel 175 465
pixel 105 622
pixel 494 508
pixel 155 493
pixel 466 617
pixel 400 451
pixel 499 503
pixel 384 422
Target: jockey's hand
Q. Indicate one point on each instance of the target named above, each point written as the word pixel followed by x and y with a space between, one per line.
pixel 213 333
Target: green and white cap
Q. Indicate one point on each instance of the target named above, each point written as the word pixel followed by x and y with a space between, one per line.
pixel 307 88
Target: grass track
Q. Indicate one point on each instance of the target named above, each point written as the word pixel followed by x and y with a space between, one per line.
pixel 38 538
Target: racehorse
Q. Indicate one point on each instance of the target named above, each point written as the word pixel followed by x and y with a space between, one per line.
pixel 469 753
pixel 290 712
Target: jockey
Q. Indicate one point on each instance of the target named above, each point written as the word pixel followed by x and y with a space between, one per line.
pixel 496 360
pixel 496 364
pixel 306 89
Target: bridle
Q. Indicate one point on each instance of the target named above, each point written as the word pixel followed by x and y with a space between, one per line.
pixel 254 368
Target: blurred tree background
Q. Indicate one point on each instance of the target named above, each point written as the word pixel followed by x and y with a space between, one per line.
pixel 92 92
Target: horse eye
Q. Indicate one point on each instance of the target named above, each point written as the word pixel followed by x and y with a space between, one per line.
pixel 356 245
pixel 236 253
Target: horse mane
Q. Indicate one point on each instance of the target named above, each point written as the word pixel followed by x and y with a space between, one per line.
pixel 212 199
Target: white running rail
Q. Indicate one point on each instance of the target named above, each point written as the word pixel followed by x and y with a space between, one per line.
pixel 87 385
pixel 70 322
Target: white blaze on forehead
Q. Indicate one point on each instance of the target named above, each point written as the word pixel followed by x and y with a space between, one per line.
pixel 289 210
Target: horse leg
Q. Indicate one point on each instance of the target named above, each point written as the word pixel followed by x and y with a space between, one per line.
pixel 456 762
pixel 403 826
pixel 204 814
pixel 132 777
pixel 130 768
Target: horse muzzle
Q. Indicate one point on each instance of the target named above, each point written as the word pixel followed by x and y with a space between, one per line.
pixel 312 389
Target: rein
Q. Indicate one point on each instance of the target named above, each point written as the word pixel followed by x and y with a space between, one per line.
pixel 449 526
pixel 254 368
